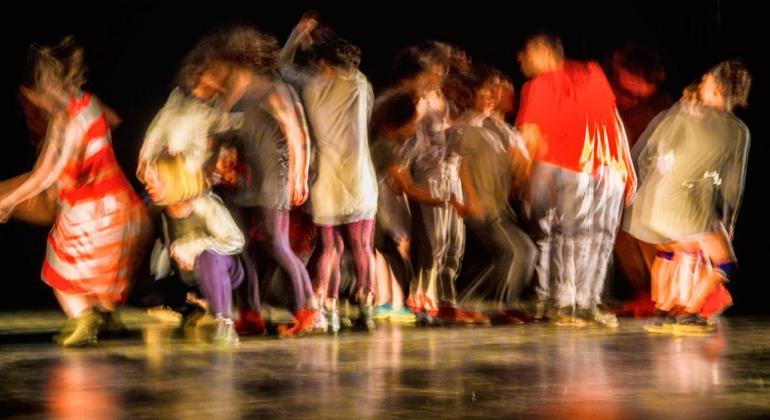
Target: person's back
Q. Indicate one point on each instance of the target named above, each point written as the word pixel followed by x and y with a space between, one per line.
pixel 574 109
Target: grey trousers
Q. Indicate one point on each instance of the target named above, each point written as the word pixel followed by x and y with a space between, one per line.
pixel 577 217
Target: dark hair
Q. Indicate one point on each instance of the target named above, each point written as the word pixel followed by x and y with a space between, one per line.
pixel 641 60
pixel 456 88
pixel 735 80
pixel 329 47
pixel 394 112
pixel 464 97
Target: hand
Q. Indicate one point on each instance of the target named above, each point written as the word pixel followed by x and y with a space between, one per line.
pixel 184 261
pixel 299 193
pixel 459 208
pixel 630 193
pixel 5 212
pixel 306 26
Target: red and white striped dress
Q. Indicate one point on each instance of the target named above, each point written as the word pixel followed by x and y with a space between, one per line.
pixel 101 220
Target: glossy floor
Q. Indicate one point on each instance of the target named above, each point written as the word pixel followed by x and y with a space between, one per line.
pixel 533 370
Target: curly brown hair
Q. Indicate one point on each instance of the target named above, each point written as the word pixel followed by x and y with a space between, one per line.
pixel 735 80
pixel 237 44
pixel 329 47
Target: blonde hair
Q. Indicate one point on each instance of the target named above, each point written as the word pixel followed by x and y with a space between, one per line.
pixel 180 182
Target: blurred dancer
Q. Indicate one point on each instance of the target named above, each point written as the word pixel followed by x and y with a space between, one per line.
pixel 101 223
pixel 581 174
pixel 201 237
pixel 693 170
pixel 489 148
pixel 636 74
pixel 393 129
pixel 338 100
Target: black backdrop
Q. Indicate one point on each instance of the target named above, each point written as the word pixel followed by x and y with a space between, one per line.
pixel 133 49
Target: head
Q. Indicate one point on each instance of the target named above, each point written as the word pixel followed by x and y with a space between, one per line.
pixel 58 73
pixel 212 81
pixel 726 85
pixel 421 68
pixel 541 52
pixel 484 92
pixel 637 70
pixel 492 91
pixel 171 181
pixel 327 49
pixel 397 116
pixel 208 69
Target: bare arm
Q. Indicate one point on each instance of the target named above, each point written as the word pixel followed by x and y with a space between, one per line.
pixel 403 182
pixel 298 35
pixel 59 145
pixel 298 147
pixel 628 162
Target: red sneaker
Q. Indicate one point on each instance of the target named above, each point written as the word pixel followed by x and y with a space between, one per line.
pixel 250 323
pixel 514 317
pixel 429 306
pixel 414 304
pixel 454 315
pixel 304 322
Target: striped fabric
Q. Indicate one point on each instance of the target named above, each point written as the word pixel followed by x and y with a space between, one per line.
pixel 101 220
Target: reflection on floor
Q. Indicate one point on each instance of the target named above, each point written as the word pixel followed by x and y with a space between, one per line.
pixel 535 370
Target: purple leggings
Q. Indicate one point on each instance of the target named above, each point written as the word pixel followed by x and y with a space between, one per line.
pixel 360 236
pixel 275 227
pixel 217 276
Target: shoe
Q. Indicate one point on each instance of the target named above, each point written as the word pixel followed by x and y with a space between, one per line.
pixel 250 323
pixel 661 323
pixel 321 321
pixel 403 316
pixel 513 317
pixel 224 332
pixel 165 315
pixel 304 322
pixel 566 317
pixel 424 319
pixel 540 310
pixel 383 312
pixel 599 317
pixel 693 325
pixel 66 331
pixel 366 317
pixel 86 330
pixel 454 315
pixel 332 320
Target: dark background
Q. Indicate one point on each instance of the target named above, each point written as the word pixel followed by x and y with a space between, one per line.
pixel 133 50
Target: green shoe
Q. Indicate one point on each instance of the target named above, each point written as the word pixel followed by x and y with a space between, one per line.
pixel 86 330
pixel 403 316
pixel 66 331
pixel 224 333
pixel 383 312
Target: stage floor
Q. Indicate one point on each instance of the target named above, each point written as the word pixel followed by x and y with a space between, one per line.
pixel 533 370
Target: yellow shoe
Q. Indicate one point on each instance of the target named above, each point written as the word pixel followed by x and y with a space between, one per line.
pixel 85 331
pixel 659 328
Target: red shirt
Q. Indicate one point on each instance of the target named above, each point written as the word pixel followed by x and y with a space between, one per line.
pixel 574 108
